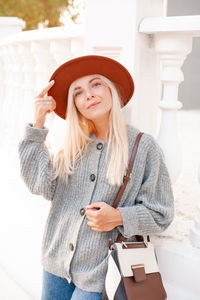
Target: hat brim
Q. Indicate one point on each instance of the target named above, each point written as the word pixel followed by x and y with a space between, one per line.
pixel 88 65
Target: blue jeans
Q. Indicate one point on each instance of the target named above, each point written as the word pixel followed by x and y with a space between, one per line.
pixel 57 288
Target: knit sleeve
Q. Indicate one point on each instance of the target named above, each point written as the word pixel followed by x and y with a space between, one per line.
pixel 153 209
pixel 35 162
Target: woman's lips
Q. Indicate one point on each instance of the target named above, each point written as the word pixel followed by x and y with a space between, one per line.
pixel 93 105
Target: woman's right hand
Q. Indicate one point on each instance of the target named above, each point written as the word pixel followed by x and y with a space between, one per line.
pixel 42 106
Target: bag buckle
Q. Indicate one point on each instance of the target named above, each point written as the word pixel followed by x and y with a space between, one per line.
pixel 139 272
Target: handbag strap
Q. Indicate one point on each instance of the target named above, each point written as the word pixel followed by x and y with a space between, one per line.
pixel 127 176
pixel 120 237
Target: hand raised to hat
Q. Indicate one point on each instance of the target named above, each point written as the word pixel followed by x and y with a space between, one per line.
pixel 42 106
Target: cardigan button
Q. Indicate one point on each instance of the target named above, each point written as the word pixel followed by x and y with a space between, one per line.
pixel 82 211
pixel 99 146
pixel 92 177
pixel 71 247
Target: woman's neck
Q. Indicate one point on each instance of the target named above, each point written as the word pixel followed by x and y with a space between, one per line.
pixel 102 129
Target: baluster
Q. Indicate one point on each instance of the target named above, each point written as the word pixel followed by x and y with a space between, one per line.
pixel 28 69
pixel 172 49
pixel 60 50
pixel 13 106
pixel 8 75
pixel 45 65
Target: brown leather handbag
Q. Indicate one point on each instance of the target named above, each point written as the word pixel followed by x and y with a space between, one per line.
pixel 133 272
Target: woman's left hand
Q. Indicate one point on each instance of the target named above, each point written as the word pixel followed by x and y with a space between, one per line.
pixel 103 217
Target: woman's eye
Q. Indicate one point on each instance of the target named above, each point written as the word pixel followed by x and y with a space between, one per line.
pixel 96 84
pixel 77 94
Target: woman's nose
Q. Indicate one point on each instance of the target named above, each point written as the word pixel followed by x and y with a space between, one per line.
pixel 89 94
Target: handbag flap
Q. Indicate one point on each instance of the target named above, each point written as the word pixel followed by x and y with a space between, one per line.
pixel 134 256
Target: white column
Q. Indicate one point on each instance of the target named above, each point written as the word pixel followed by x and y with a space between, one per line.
pixel 172 49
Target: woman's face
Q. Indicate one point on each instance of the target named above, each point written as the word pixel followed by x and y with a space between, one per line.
pixel 92 97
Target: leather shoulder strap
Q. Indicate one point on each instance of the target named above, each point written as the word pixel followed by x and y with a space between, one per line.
pixel 127 176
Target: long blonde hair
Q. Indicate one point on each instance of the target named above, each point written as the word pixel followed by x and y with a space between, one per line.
pixel 77 137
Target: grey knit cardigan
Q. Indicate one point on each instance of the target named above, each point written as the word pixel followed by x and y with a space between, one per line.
pixel 70 249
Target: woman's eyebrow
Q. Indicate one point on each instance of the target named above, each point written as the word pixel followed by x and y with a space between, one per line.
pixel 79 87
pixel 93 79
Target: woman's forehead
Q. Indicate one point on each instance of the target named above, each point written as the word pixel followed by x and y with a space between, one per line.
pixel 86 78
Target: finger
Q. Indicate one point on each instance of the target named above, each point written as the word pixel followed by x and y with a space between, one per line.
pixel 93 227
pixel 91 224
pixel 46 89
pixel 44 98
pixel 42 102
pixel 91 213
pixel 95 205
pixel 96 229
pixel 45 105
pixel 44 108
pixel 49 98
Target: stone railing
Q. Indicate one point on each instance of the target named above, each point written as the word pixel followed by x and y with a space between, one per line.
pixel 27 60
pixel 172 40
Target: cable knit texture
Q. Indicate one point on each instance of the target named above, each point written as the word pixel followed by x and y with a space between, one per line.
pixel 70 249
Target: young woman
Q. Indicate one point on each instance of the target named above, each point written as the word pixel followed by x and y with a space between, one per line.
pixel 82 180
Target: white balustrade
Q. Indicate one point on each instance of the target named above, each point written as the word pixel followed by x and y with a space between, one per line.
pixel 28 59
pixel 172 39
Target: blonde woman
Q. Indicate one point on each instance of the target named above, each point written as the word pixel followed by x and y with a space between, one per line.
pixel 82 180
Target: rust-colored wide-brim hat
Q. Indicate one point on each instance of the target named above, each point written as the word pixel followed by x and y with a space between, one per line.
pixel 88 65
